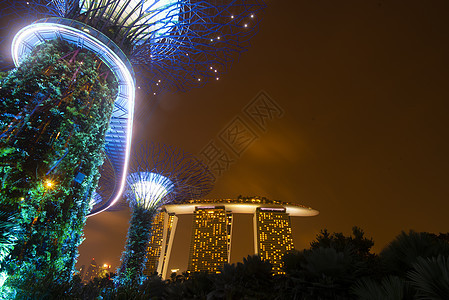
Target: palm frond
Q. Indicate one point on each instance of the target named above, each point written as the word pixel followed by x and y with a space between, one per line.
pixel 9 231
pixel 390 288
pixel 430 276
pixel 400 255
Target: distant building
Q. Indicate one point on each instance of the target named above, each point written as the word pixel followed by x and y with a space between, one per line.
pixel 91 272
pixel 215 227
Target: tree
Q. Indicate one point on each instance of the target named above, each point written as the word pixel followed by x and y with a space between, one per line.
pixel 322 273
pixel 358 243
pixel 252 279
pixel 400 255
pixel 331 265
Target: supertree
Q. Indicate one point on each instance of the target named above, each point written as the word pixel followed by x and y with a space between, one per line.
pixel 159 175
pixel 61 112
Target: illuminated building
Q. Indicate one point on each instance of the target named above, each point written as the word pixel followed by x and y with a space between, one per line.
pixel 273 235
pixel 94 271
pixel 91 271
pixel 160 233
pixel 155 245
pixel 156 254
pixel 209 246
pixel 224 231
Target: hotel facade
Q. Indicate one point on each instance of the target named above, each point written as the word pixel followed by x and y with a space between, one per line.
pixel 203 235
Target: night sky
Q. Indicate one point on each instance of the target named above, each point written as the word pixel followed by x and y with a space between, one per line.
pixel 363 137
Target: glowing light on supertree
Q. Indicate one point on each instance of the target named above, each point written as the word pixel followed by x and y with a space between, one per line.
pixel 149 188
pixel 70 100
pixel 160 175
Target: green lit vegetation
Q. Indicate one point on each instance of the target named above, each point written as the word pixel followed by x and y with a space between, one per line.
pixel 133 258
pixel 55 109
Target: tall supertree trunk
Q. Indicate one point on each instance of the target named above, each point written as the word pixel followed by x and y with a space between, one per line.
pixel 133 258
pixel 55 110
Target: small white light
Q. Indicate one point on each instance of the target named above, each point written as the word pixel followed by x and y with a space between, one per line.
pixel 218 38
pixel 211 40
pixel 138 87
pixel 215 71
pixel 199 79
pixel 211 68
pixel 159 80
pixel 154 94
pixel 246 25
pixel 232 17
pixel 217 78
pixel 252 16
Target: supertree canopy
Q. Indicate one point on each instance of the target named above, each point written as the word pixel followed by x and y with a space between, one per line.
pixel 172 44
pixel 159 175
pixel 69 103
pixel 149 188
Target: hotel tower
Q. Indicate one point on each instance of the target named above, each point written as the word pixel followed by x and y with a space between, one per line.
pixel 203 235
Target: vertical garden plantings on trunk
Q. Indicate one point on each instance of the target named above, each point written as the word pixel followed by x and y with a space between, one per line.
pixel 55 112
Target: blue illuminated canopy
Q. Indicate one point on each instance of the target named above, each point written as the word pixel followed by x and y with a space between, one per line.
pixel 149 188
